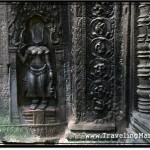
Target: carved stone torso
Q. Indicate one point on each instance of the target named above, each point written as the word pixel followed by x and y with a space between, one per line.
pixel 37 53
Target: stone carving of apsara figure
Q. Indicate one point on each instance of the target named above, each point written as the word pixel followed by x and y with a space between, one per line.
pixel 39 77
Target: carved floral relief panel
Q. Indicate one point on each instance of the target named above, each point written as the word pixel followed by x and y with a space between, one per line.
pixel 100 60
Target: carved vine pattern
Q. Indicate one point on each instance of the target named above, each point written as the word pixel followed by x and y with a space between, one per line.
pixel 78 54
pixel 100 61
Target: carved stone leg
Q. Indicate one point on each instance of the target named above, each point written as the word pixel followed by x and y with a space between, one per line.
pixel 43 104
pixel 34 104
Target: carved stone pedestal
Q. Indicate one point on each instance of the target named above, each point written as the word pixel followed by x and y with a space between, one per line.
pixel 39 133
pixel 88 133
pixel 39 116
pixel 85 126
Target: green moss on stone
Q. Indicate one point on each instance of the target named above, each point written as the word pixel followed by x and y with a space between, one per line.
pixel 9 132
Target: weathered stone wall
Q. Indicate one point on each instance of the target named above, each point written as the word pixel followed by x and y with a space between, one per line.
pixel 4 63
pixel 100 60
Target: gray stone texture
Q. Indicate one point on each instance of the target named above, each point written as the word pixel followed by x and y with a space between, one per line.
pixel 4 63
pixel 100 58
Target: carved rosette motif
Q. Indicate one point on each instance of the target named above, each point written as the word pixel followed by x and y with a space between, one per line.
pixel 100 60
pixel 144 59
pixel 21 12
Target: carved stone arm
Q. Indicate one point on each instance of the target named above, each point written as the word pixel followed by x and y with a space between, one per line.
pixel 49 65
pixel 22 58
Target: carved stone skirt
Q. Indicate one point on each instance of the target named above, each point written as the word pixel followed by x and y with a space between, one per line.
pixel 38 82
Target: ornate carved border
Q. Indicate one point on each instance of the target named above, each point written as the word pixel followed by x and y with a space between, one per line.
pixel 78 64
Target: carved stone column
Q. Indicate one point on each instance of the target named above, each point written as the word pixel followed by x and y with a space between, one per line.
pixel 140 117
pixel 144 60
